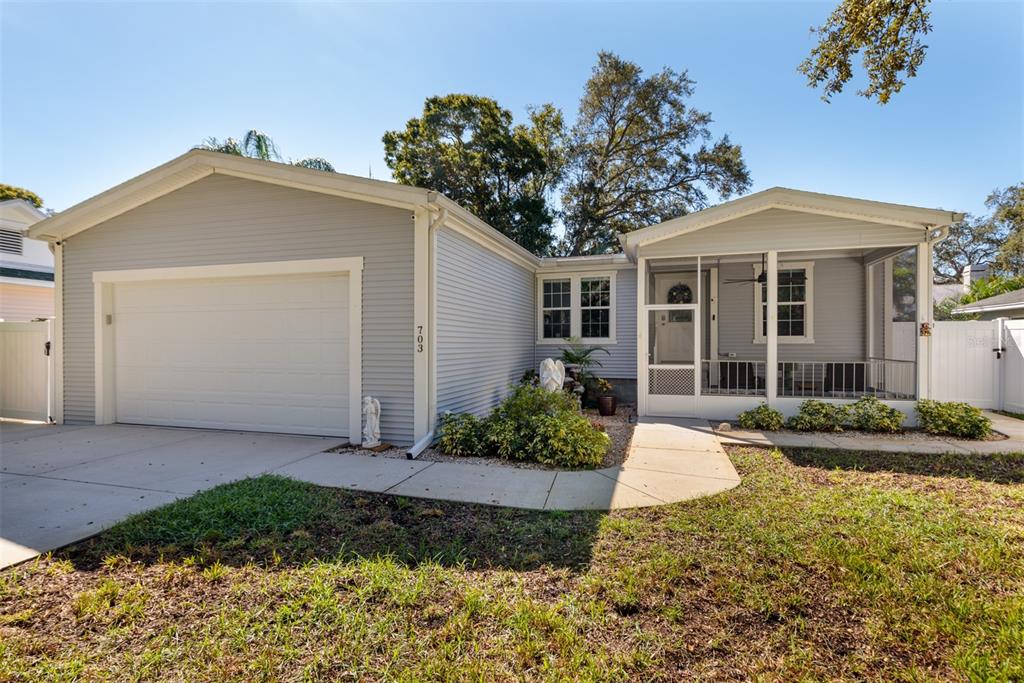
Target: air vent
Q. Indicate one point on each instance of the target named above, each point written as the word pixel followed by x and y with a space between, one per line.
pixel 11 242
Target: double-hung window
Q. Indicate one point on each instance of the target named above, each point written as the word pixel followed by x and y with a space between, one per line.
pixel 795 304
pixel 577 305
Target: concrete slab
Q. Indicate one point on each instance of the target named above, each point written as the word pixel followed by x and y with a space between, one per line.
pixel 47 453
pixel 351 471
pixel 674 438
pixel 16 430
pixel 594 491
pixel 201 461
pixel 693 463
pixel 39 514
pixel 672 488
pixel 507 486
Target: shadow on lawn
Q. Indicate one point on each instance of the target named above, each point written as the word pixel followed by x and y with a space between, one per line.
pixel 1001 468
pixel 273 520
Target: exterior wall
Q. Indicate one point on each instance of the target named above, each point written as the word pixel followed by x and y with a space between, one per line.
pixel 25 302
pixel 485 324
pixel 221 219
pixel 839 313
pixel 620 362
pixel 783 231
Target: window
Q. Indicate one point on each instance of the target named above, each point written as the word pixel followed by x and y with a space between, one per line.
pixel 11 242
pixel 577 305
pixel 595 307
pixel 557 309
pixel 795 312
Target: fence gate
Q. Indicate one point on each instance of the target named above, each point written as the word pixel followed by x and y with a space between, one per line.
pixel 1013 365
pixel 25 370
pixel 965 363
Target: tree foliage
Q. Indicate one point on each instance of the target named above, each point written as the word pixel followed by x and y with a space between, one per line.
pixel 1007 208
pixel 887 33
pixel 259 145
pixel 638 155
pixel 467 147
pixel 972 241
pixel 12 192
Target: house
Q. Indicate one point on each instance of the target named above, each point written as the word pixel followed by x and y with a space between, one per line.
pixel 1005 305
pixel 224 292
pixel 26 265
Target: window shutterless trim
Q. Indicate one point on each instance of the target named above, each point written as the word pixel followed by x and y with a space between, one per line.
pixel 808 303
pixel 575 279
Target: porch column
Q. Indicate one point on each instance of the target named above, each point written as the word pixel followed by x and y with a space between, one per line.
pixel 641 337
pixel 923 306
pixel 771 372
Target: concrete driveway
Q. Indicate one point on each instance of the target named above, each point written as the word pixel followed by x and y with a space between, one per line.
pixel 59 484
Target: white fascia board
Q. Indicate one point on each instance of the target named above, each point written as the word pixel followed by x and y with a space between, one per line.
pixel 601 262
pixel 985 309
pixel 465 223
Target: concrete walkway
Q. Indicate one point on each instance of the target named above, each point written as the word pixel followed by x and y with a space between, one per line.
pixel 668 461
pixel 904 443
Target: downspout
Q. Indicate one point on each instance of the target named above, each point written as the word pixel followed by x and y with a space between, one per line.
pixel 417 448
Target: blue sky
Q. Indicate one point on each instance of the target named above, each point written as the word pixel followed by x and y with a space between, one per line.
pixel 93 94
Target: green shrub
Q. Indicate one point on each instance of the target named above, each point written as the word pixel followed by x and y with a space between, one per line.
pixel 762 418
pixel 871 415
pixel 462 434
pixel 953 419
pixel 565 440
pixel 527 400
pixel 818 416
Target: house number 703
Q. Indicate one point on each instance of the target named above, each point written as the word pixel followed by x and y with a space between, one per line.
pixel 419 339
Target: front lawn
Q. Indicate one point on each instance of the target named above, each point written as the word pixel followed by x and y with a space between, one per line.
pixel 813 568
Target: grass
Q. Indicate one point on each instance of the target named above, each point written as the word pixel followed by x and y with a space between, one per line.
pixel 840 566
pixel 1010 413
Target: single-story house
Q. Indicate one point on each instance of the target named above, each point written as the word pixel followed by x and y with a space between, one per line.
pixel 224 292
pixel 1005 305
pixel 26 265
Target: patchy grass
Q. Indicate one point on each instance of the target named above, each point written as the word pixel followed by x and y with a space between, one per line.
pixel 813 568
pixel 1010 413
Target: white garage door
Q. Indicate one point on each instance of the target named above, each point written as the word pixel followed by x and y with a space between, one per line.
pixel 265 354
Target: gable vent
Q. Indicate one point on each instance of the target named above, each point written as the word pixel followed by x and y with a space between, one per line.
pixel 11 242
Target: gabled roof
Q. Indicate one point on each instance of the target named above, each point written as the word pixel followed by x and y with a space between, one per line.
pixel 911 217
pixel 198 163
pixel 19 212
pixel 999 302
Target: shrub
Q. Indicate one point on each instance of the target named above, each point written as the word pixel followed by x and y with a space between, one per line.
pixel 818 416
pixel 527 400
pixel 565 440
pixel 871 415
pixel 762 418
pixel 953 419
pixel 462 434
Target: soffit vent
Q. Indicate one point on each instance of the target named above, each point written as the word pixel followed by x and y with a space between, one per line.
pixel 11 242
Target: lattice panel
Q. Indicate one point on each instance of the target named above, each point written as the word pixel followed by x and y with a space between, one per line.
pixel 670 381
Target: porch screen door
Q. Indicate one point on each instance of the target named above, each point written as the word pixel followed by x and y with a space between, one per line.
pixel 673 372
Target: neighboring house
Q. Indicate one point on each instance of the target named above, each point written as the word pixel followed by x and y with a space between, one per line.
pixel 970 273
pixel 26 265
pixel 1006 305
pixel 224 292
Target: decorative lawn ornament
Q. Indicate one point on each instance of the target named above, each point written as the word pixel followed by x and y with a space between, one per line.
pixel 552 374
pixel 371 422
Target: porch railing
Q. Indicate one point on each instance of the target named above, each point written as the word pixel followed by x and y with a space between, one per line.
pixel 881 377
pixel 733 378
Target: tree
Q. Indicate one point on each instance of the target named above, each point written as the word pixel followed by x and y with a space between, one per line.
pixel 12 192
pixel 1008 214
pixel 258 145
pixel 972 241
pixel 887 32
pixel 638 155
pixel 466 147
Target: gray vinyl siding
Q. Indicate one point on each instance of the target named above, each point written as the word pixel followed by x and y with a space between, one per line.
pixel 620 361
pixel 485 324
pixel 782 230
pixel 221 219
pixel 839 313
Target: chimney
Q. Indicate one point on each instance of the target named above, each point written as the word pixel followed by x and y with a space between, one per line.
pixel 974 273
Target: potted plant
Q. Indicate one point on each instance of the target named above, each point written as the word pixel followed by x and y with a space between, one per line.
pixel 606 402
pixel 579 359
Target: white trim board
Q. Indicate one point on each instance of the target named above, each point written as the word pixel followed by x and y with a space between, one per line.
pixel 103 290
pixel 575 308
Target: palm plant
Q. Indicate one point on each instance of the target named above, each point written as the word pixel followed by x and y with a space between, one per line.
pixel 258 145
pixel 580 357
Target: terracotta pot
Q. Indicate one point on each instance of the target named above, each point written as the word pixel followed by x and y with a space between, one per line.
pixel 606 405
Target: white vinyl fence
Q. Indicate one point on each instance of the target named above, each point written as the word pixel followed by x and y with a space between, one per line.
pixel 979 362
pixel 25 370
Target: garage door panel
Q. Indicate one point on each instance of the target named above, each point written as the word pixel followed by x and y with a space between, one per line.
pixel 258 353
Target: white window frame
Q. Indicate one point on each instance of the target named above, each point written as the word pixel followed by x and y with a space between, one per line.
pixel 540 300
pixel 808 335
pixel 575 321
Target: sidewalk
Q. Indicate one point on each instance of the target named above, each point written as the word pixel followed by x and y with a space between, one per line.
pixel 904 443
pixel 669 461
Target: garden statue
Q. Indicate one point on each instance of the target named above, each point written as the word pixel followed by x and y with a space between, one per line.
pixel 371 422
pixel 552 374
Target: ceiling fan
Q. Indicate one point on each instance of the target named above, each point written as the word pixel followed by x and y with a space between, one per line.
pixel 762 277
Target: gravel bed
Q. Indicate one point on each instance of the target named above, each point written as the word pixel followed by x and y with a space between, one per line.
pixel 619 427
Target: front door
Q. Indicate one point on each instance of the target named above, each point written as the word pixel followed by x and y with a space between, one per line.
pixel 673 366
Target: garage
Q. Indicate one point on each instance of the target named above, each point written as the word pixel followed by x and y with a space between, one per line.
pixel 255 347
